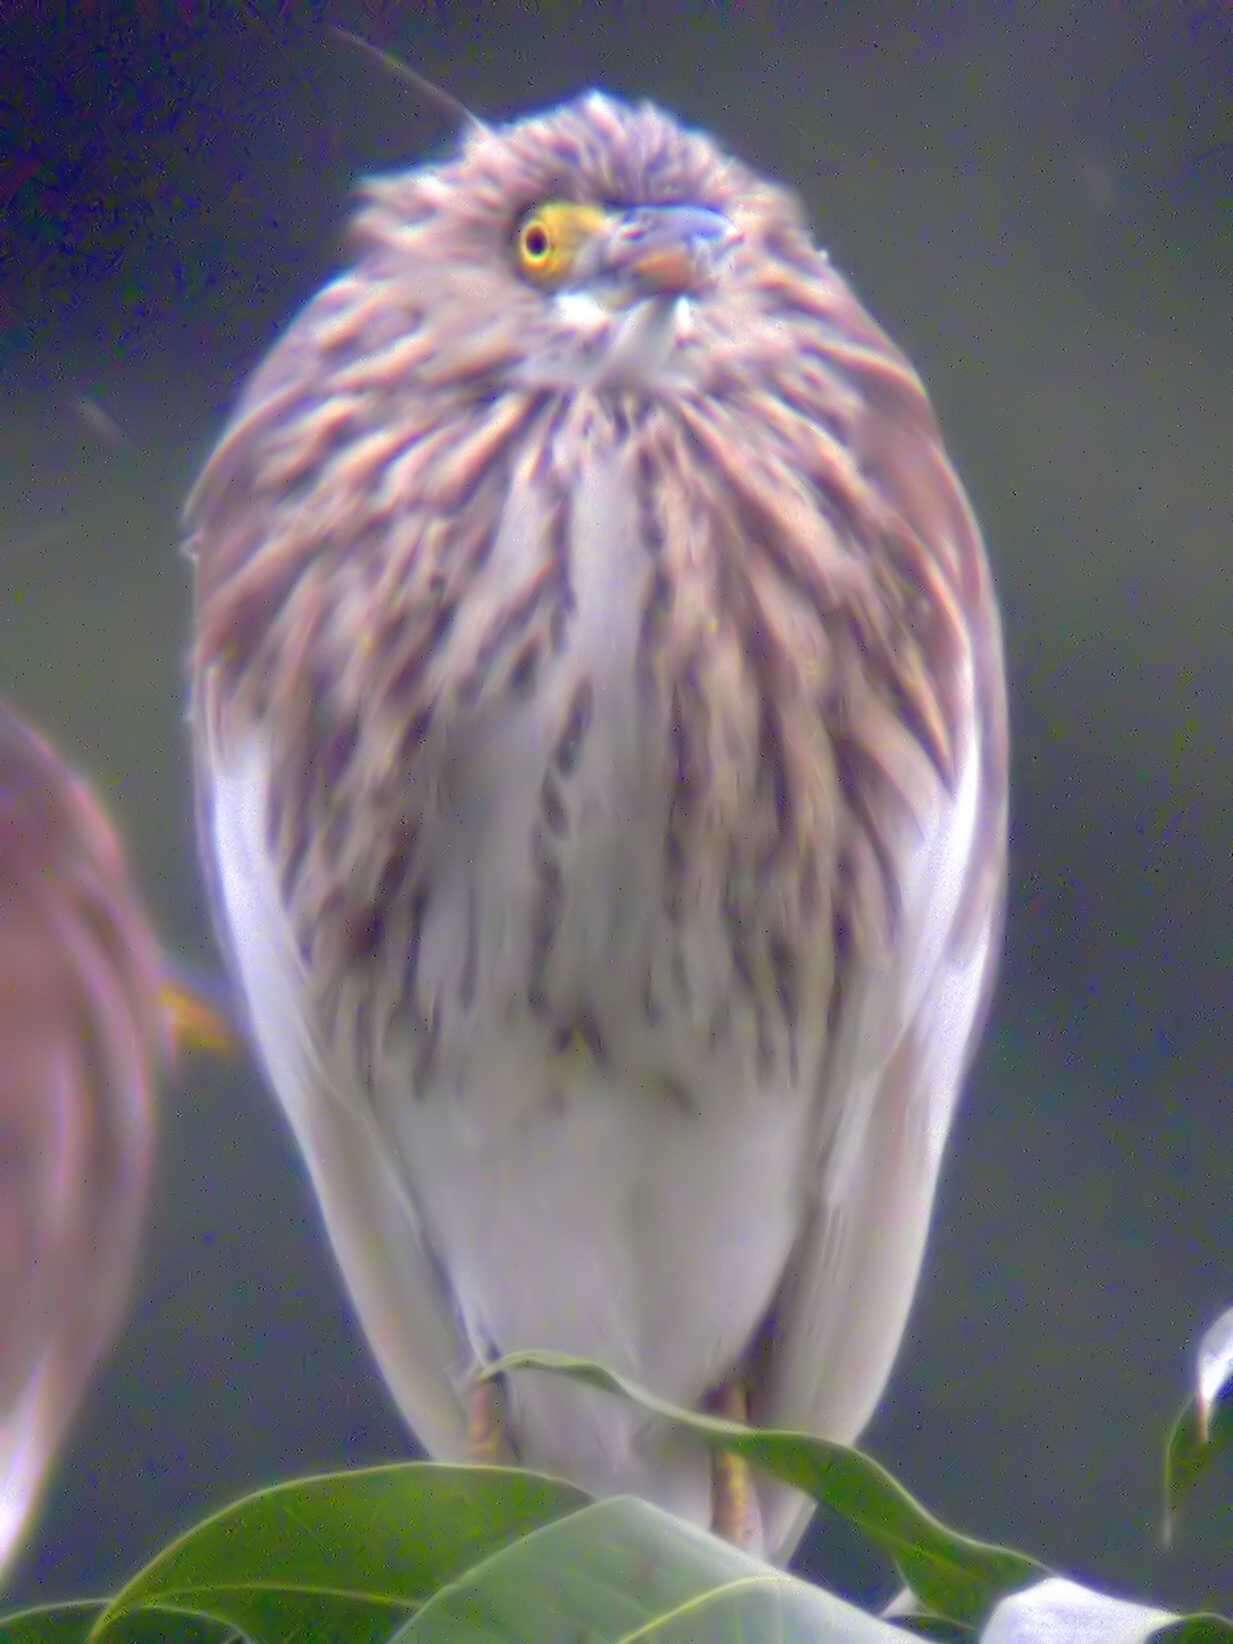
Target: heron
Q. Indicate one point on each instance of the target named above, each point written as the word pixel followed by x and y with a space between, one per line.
pixel 92 1011
pixel 601 750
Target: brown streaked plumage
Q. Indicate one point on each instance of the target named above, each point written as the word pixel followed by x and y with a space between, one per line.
pixel 602 756
pixel 83 1035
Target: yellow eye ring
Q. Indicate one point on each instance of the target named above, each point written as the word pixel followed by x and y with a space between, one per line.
pixel 549 238
pixel 535 247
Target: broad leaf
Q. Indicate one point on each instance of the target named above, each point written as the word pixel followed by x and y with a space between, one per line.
pixel 343 1556
pixel 623 1570
pixel 72 1624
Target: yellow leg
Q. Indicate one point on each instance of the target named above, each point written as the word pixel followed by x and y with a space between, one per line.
pixel 487 1444
pixel 735 1511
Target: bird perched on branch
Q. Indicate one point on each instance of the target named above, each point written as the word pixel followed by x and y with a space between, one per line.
pixel 88 1018
pixel 601 749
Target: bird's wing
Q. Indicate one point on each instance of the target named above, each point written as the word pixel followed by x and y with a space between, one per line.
pixel 372 1224
pixel 901 1048
pixel 840 1318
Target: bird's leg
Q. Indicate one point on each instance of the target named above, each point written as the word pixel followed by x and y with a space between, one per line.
pixel 487 1442
pixel 735 1512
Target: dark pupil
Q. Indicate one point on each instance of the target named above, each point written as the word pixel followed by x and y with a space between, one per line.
pixel 535 242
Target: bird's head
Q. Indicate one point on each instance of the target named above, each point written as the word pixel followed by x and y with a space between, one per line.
pixel 600 245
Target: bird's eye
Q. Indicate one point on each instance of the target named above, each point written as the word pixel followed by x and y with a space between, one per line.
pixel 535 244
pixel 549 238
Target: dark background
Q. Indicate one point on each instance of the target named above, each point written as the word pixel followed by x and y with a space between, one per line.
pixel 1036 200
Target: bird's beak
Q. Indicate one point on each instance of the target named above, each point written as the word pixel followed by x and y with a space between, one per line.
pixel 668 250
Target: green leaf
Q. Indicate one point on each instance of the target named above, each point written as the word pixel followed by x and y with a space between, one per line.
pixel 1214 1365
pixel 1195 1629
pixel 73 1623
pixel 1203 1429
pixel 1188 1455
pixel 907 1613
pixel 622 1570
pixel 955 1576
pixel 343 1556
pixel 933 1627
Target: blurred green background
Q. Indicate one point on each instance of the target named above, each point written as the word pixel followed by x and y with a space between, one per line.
pixel 1038 201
